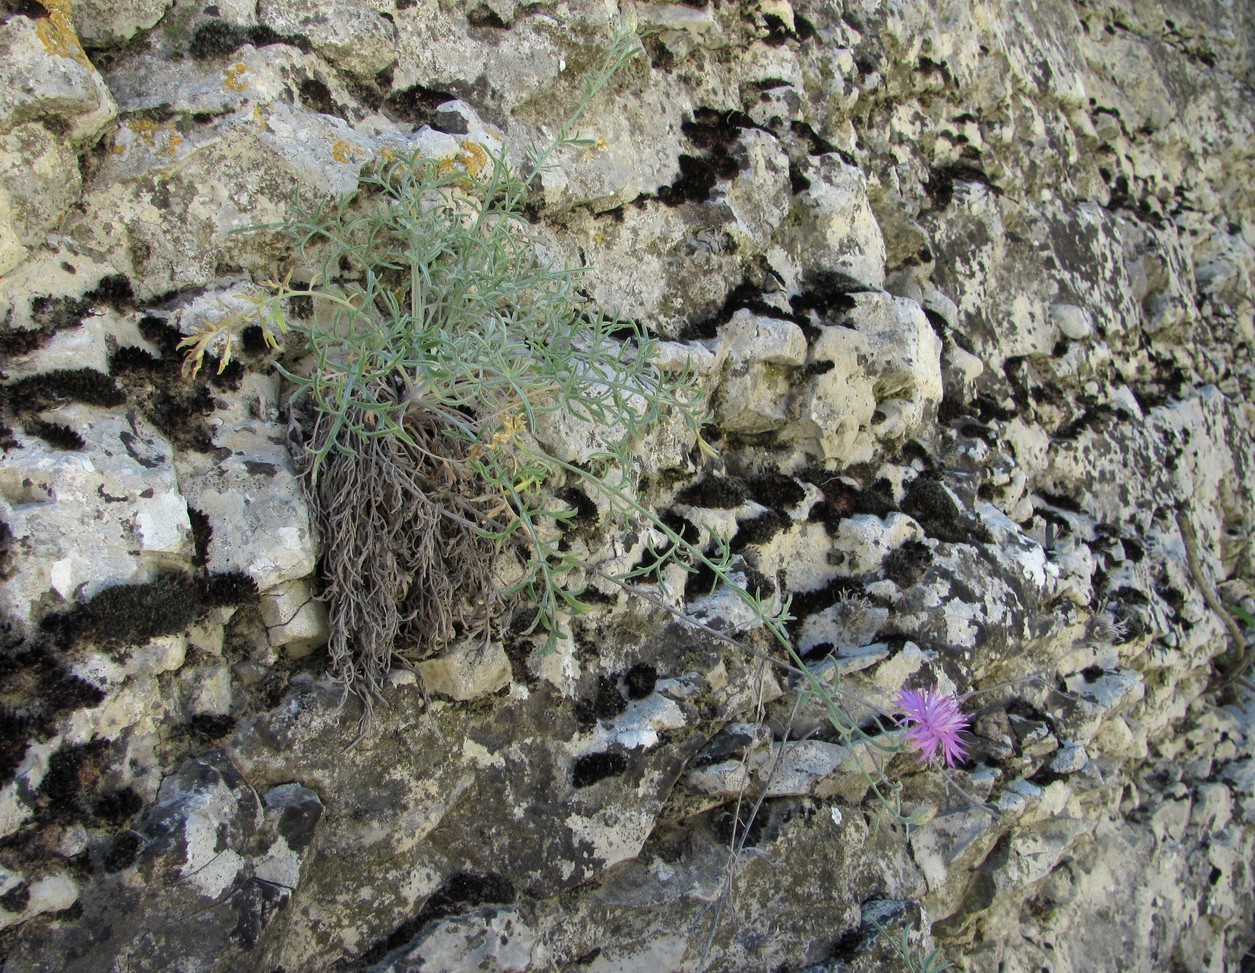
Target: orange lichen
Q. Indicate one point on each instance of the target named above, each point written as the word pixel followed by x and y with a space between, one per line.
pixel 56 32
pixel 342 151
pixel 235 80
pixel 261 115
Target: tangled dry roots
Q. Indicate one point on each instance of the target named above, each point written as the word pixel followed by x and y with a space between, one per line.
pixel 404 572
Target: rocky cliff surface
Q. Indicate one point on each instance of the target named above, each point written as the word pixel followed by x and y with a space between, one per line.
pixel 969 286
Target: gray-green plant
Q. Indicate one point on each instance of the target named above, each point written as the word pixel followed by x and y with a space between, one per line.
pixel 437 340
pixel 426 341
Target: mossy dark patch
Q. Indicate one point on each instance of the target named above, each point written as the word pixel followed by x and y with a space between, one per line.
pixel 202 534
pixel 606 703
pixel 124 851
pixel 906 565
pixel 805 603
pixel 40 392
pixel 716 492
pixel 416 106
pixel 211 727
pixel 829 293
pixel 760 529
pixel 941 180
pixel 776 490
pixel 55 434
pixel 746 295
pixel 458 893
pixel 52 314
pixel 931 504
pixel 16 899
pixel 316 95
pixel 700 583
pixel 131 614
pixel 483 16
pixel 842 499
pixel 133 359
pixel 74 774
pixel 713 133
pixel 36 687
pixel 640 680
pixel 739 826
pixel 594 767
pixel 229 589
pixel 113 290
pixel 217 38
pixel 117 807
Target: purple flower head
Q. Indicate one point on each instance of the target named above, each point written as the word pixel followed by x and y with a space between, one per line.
pixel 938 723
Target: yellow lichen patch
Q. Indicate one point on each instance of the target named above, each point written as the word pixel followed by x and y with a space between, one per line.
pixel 145 130
pixel 56 32
pixel 387 154
pixel 235 80
pixel 342 151
pixel 261 115
pixel 473 159
pixel 598 146
pixel 160 137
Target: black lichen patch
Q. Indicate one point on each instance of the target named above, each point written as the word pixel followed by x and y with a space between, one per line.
pixel 124 852
pixel 605 704
pixel 113 290
pixel 759 529
pixel 941 180
pixel 931 504
pixel 776 490
pixel 739 826
pixel 714 134
pixel 175 405
pixel 842 499
pixel 746 295
pixel 131 614
pixel 55 434
pixel 594 767
pixel 483 16
pixel 416 106
pixel 229 589
pixel 133 359
pixel 458 893
pixel 16 899
pixel 906 565
pixel 805 603
pixel 211 727
pixel 117 807
pixel 640 680
pixel 829 293
pixel 202 534
pixel 40 392
pixel 716 492
pixel 73 778
pixel 217 38
pixel 316 95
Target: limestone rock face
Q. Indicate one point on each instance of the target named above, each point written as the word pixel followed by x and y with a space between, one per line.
pixel 969 292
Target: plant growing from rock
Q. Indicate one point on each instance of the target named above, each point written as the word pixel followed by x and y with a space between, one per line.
pixel 438 340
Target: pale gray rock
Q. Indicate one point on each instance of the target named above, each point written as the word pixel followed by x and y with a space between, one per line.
pixel 103 22
pixel 250 496
pixel 836 231
pixel 89 519
pixel 466 671
pixel 44 73
pixel 295 619
pixel 347 34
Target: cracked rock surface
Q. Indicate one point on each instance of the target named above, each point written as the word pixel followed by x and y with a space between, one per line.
pixel 970 288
